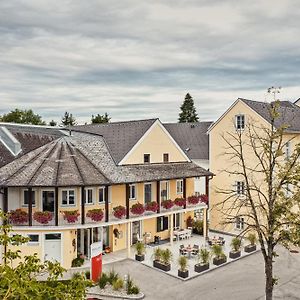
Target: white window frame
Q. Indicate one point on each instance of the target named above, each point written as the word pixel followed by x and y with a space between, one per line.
pixel 179 187
pixel 148 183
pixel 168 189
pixel 240 188
pixel 103 191
pixel 240 121
pixel 87 200
pixel 23 198
pixel 175 226
pixel 31 243
pixel 239 223
pixel 68 197
pixel 131 188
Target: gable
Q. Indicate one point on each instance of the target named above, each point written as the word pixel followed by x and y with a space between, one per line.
pixel 156 141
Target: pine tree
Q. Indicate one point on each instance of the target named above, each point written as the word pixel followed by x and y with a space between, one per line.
pixel 68 119
pixel 100 118
pixel 188 110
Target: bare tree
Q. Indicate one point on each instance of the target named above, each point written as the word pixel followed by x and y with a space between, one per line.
pixel 269 198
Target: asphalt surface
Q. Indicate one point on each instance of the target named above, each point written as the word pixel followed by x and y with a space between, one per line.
pixel 243 279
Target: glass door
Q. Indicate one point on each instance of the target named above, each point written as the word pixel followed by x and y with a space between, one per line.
pixel 48 201
pixel 136 231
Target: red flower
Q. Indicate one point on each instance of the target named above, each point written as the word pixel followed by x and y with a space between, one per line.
pixel 43 217
pixel 119 211
pixel 193 200
pixel 137 209
pixel 18 216
pixel 71 216
pixel 180 202
pixel 95 214
pixel 152 206
pixel 204 198
pixel 167 204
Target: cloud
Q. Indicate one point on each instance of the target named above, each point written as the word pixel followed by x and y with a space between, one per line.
pixel 137 59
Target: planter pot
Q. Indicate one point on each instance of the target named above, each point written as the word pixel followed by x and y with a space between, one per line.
pixel 183 274
pixel 250 248
pixel 219 261
pixel 200 268
pixel 234 254
pixel 139 257
pixel 161 266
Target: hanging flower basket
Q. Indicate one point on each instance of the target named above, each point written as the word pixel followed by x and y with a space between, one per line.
pixel 137 209
pixel 167 204
pixel 152 206
pixel 180 202
pixel 18 217
pixel 119 211
pixel 95 214
pixel 193 200
pixel 71 216
pixel 204 199
pixel 43 217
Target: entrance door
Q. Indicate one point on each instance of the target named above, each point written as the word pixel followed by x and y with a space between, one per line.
pixel 136 231
pixel 48 201
pixel 52 247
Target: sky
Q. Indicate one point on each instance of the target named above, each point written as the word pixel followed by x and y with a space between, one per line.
pixel 137 59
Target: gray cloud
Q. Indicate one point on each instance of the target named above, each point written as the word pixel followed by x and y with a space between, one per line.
pixel 137 59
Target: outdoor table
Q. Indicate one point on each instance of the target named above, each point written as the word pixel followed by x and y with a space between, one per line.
pixel 189 251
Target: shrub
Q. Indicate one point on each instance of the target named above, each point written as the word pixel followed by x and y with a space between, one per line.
pixel 140 248
pixel 95 214
pixel 236 244
pixel 18 216
pixel 180 202
pixel 203 256
pixel 157 254
pixel 167 204
pixel 112 276
pixel 251 237
pixel 183 263
pixel 103 280
pixel 217 251
pixel 198 226
pixel 119 211
pixel 78 261
pixel 132 289
pixel 87 274
pixel 118 284
pixel 151 206
pixel 166 256
pixel 137 209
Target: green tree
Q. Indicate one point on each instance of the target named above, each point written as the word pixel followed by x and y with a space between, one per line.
pixel 52 123
pixel 22 116
pixel 21 281
pixel 100 118
pixel 188 111
pixel 271 186
pixel 68 119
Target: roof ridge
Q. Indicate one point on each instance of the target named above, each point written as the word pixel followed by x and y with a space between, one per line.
pixel 116 122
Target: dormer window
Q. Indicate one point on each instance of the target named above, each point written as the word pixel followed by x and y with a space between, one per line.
pixel 240 122
pixel 146 158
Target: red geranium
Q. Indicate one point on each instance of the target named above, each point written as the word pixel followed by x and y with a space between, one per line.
pixel 18 216
pixel 137 209
pixel 204 198
pixel 193 200
pixel 180 202
pixel 71 215
pixel 95 214
pixel 167 204
pixel 43 217
pixel 152 206
pixel 119 211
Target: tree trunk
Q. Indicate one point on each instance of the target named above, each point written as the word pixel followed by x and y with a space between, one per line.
pixel 269 278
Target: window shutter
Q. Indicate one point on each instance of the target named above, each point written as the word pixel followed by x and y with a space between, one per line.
pixel 166 223
pixel 158 224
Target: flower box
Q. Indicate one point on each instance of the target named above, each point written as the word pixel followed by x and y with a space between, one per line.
pixel 250 248
pixel 152 206
pixel 219 260
pixel 43 217
pixel 140 257
pixel 119 211
pixel 193 200
pixel 180 202
pixel 204 199
pixel 161 266
pixel 234 254
pixel 95 214
pixel 137 209
pixel 167 204
pixel 71 216
pixel 183 274
pixel 18 217
pixel 201 268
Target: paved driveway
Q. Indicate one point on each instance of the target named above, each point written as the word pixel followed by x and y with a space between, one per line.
pixel 243 279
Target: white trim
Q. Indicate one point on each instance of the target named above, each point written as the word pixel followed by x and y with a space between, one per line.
pixel 103 189
pixel 177 181
pixel 29 243
pixel 151 184
pixel 61 245
pixel 13 139
pixel 168 189
pixel 68 191
pixel 157 122
pixel 135 191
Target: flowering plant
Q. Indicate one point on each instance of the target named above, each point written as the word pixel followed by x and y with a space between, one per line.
pixel 152 206
pixel 180 202
pixel 167 204
pixel 95 214
pixel 204 198
pixel 18 216
pixel 137 209
pixel 119 211
pixel 71 215
pixel 43 217
pixel 193 200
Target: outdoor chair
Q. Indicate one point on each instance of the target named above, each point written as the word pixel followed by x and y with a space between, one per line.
pixel 195 250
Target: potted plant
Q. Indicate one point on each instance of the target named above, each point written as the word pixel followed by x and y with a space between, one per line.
pixel 251 237
pixel 119 211
pixel 219 256
pixel 193 200
pixel 204 199
pixel 157 257
pixel 166 257
pixel 71 216
pixel 183 272
pixel 140 251
pixel 18 216
pixel 137 209
pixel 95 214
pixel 180 202
pixel 43 217
pixel 151 206
pixel 167 204
pixel 203 261
pixel 236 248
pixel 198 227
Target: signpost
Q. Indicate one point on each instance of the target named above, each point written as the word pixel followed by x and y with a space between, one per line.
pixel 96 260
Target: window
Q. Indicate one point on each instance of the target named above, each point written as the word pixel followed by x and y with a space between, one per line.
pixel 88 196
pixel 164 190
pixel 33 238
pixel 52 236
pixel 102 195
pixel 240 122
pixel 68 197
pixel 132 192
pixel 166 157
pixel 176 220
pixel 179 186
pixel 146 158
pixel 287 150
pixel 162 223
pixel 147 192
pixel 26 198
pixel 239 223
pixel 240 188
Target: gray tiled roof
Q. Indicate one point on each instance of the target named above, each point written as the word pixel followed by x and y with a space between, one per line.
pixel 84 159
pixel 119 136
pixel 191 136
pixel 289 113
